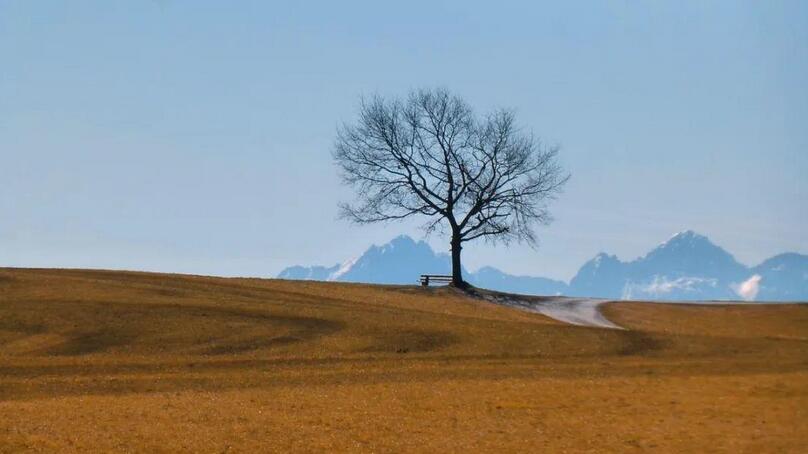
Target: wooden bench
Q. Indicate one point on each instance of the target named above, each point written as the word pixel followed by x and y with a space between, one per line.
pixel 426 278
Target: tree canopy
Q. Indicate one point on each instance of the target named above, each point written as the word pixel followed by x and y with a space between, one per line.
pixel 429 155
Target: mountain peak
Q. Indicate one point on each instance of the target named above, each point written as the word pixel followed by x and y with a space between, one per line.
pixel 685 240
pixel 602 256
pixel 402 240
pixel 686 236
pixel 400 244
pixel 399 261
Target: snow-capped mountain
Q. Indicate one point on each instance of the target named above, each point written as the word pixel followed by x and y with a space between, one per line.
pixel 688 253
pixel 688 266
pixel 400 261
pixel 604 275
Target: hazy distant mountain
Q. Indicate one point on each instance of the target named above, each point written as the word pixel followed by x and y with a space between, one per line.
pixel 686 267
pixel 605 275
pixel 492 278
pixel 400 261
pixel 778 276
pixel 308 273
pixel 403 260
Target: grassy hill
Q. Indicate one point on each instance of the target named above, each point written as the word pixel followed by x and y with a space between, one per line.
pixel 124 361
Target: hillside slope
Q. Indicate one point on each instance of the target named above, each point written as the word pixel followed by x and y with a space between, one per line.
pixel 120 361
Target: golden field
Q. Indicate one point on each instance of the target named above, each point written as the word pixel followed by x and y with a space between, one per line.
pixel 110 361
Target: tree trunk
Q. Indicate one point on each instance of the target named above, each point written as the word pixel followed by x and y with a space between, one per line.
pixel 457 271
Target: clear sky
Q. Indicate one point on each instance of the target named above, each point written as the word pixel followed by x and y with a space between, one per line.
pixel 195 136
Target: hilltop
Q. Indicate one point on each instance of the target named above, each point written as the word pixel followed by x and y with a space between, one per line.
pixel 122 361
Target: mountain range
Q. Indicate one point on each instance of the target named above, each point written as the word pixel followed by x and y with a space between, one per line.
pixel 688 266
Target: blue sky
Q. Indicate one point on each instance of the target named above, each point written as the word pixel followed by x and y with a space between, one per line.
pixel 195 136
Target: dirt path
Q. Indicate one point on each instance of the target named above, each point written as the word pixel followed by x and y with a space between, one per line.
pixel 586 311
pixel 575 311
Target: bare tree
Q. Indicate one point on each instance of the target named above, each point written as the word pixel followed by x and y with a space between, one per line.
pixel 429 155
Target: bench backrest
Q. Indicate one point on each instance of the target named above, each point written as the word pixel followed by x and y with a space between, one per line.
pixel 426 278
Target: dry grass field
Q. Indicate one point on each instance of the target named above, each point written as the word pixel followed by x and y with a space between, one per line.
pixel 136 362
